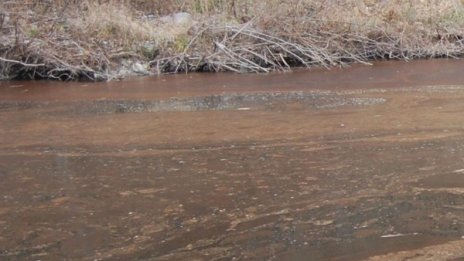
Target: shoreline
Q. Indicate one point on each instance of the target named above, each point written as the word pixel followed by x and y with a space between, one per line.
pixel 118 39
pixel 382 74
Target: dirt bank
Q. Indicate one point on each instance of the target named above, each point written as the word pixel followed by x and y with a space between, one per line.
pixel 116 38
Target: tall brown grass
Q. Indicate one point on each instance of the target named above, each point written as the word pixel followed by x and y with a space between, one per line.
pixel 71 39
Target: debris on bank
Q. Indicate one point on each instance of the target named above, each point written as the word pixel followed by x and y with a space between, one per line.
pixel 86 40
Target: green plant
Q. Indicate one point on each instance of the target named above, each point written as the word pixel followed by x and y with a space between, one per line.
pixel 33 32
pixel 180 44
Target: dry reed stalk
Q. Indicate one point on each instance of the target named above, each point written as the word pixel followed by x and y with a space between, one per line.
pixel 89 40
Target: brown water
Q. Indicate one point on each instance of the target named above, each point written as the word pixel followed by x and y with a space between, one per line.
pixel 347 164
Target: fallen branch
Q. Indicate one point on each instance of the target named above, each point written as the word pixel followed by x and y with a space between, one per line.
pixel 21 63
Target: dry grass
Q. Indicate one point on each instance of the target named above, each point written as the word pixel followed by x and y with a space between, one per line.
pixel 95 39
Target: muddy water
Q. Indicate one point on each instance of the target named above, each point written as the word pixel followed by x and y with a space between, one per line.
pixel 364 163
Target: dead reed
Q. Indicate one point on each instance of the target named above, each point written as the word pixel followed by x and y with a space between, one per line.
pixel 94 40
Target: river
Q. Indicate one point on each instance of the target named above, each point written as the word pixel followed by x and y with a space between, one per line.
pixel 361 163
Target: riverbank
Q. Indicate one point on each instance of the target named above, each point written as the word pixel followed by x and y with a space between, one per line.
pixel 113 39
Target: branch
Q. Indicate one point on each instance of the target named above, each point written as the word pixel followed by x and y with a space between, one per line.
pixel 21 63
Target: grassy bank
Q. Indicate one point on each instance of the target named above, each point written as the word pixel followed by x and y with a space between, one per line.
pixel 109 39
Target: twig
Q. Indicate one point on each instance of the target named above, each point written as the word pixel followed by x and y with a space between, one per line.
pixel 21 63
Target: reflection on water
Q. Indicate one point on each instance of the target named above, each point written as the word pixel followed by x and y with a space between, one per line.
pixel 179 173
pixel 270 100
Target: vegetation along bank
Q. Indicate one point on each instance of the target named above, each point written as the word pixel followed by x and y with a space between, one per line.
pixel 111 39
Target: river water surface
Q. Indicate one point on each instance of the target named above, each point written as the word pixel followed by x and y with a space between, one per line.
pixel 363 163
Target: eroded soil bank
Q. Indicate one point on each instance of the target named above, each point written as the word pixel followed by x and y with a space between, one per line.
pixel 357 164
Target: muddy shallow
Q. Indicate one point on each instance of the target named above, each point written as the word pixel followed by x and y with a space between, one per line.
pixel 364 163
